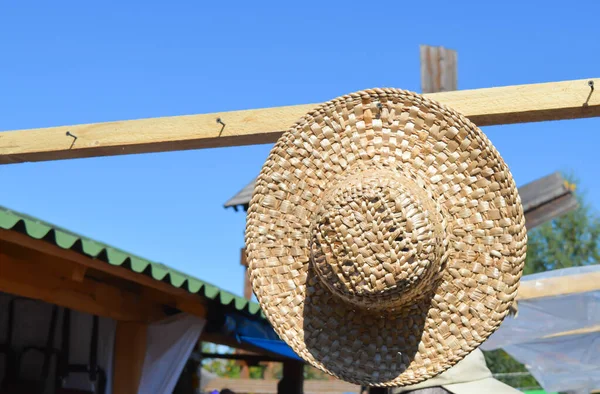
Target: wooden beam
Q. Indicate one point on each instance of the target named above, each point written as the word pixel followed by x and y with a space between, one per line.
pixel 59 267
pixel 130 351
pixel 551 210
pixel 485 107
pixel 194 307
pixel 32 279
pixel 579 331
pixel 78 273
pixel 251 358
pixel 563 285
pixel 270 386
pixel 543 190
pixel 546 198
pixel 228 340
pixel 185 301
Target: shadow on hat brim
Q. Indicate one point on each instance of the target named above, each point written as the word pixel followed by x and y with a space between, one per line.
pixel 360 345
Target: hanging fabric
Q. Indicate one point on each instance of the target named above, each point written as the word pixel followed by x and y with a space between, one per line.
pixel 170 343
pixel 96 375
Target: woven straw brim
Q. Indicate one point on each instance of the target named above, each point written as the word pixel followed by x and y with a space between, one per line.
pixel 484 245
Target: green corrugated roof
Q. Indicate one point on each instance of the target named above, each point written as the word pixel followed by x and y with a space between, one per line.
pixel 38 229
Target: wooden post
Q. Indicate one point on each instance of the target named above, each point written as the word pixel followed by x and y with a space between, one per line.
pixel 244 368
pixel 130 351
pixel 247 284
pixel 438 69
pixel 292 381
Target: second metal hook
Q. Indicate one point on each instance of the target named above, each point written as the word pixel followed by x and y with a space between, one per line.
pixel 219 121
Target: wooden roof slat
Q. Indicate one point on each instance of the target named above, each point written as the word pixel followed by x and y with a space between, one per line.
pixel 489 106
pixel 559 286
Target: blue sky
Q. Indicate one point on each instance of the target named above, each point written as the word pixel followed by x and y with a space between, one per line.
pixel 70 62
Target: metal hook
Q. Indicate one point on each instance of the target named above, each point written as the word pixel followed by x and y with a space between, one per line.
pixel 380 108
pixel 591 85
pixel 219 121
pixel 69 134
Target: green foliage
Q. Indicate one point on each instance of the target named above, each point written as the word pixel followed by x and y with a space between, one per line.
pixel 568 241
pixel 498 361
pixel 311 373
pixel 220 367
pixel 232 369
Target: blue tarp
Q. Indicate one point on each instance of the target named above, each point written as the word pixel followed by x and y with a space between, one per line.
pixel 258 333
pixel 274 346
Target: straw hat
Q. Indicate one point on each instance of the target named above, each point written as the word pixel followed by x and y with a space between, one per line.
pixel 385 238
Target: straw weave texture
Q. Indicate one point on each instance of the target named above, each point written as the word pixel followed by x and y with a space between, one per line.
pixel 385 237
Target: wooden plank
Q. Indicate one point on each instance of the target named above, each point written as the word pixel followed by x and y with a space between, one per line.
pixel 251 358
pixel 579 331
pixel 559 286
pixel 59 267
pixel 551 210
pixel 31 279
pixel 490 106
pixel 542 190
pixel 130 351
pixel 185 301
pixel 269 386
pixel 438 69
pixel 227 340
pixel 546 198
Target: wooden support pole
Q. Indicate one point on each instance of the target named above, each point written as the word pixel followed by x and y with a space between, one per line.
pixel 438 69
pixel 130 351
pixel 247 283
pixel 244 364
pixel 292 381
pixel 490 106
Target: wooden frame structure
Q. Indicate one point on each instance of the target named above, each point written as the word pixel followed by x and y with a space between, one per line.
pixel 38 270
pixel 42 270
pixel 134 300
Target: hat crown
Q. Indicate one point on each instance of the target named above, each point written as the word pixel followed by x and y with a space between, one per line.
pixel 378 239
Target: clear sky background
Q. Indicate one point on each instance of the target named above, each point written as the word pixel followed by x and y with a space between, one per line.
pixel 71 62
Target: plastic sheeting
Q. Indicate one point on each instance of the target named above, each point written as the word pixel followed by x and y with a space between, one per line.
pixel 170 343
pixel 568 363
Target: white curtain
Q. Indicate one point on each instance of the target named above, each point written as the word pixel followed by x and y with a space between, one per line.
pixel 170 343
